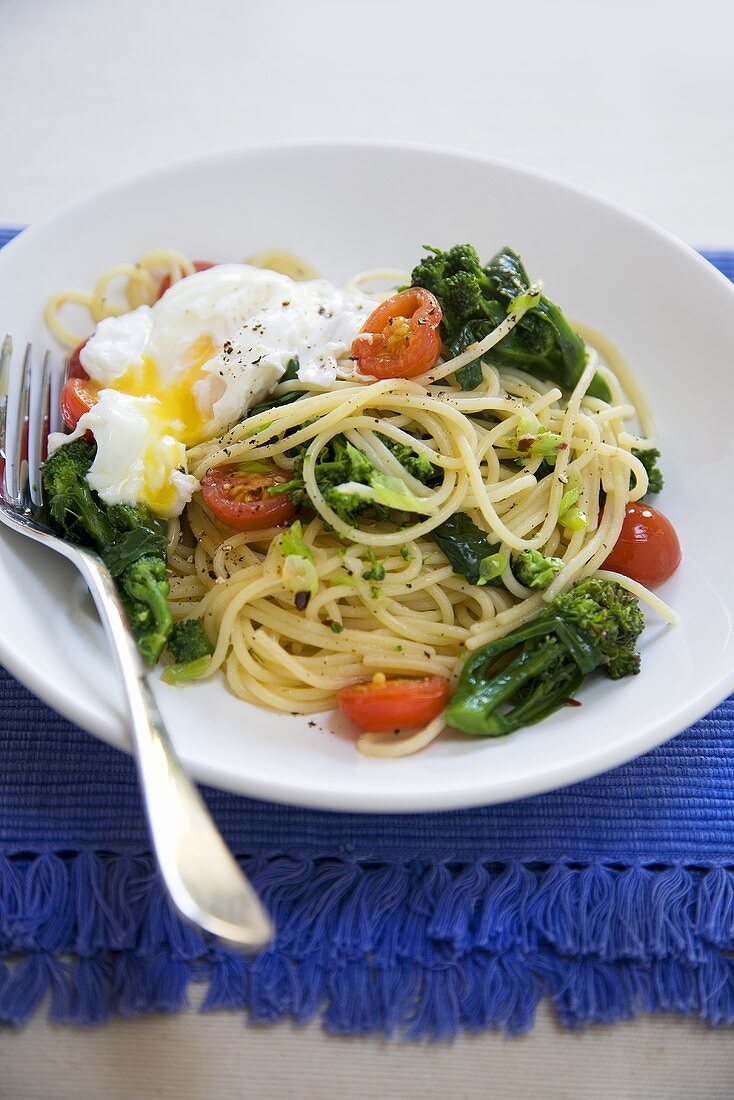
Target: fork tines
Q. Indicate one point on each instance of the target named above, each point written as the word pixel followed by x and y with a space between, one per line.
pixel 25 404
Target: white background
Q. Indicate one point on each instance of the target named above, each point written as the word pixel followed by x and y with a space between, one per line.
pixel 632 99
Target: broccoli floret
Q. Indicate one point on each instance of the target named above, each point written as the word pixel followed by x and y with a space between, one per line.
pixel 83 517
pixel 144 586
pixel 131 541
pixel 440 264
pixel 127 517
pixel 610 616
pixel 341 466
pixel 475 298
pixel 189 641
pixel 463 257
pixel 532 671
pixel 418 465
pixel 350 506
pixel 464 295
pixel 360 466
pixel 649 459
pixel 191 649
pixel 457 279
pixel 535 571
pixel 338 462
pixel 73 507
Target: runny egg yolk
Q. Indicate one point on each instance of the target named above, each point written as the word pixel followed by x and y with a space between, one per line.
pixel 159 492
pixel 179 413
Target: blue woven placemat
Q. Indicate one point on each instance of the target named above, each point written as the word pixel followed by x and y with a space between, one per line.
pixel 610 897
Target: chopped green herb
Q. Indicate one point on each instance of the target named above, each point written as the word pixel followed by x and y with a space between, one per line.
pixel 299 573
pixel 255 467
pixel 376 572
pixel 292 542
pixel 570 515
pixel 491 568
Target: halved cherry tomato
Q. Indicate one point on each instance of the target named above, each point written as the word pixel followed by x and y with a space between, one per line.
pixel 380 705
pixel 647 549
pixel 76 370
pixel 199 265
pixel 241 500
pixel 400 338
pixel 78 395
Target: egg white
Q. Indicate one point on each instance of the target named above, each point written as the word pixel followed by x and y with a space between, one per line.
pixel 136 459
pixel 184 370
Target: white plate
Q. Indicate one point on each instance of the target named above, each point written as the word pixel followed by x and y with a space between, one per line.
pixel 346 208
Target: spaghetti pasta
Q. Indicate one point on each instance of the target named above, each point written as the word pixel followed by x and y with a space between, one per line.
pixel 424 616
pixel 138 284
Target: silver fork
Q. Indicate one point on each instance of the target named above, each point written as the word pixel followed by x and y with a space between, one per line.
pixel 204 881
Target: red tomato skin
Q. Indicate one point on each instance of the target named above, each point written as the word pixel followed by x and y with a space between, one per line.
pixel 647 549
pixel 221 486
pixel 77 397
pixel 76 370
pixel 395 704
pixel 400 338
pixel 199 265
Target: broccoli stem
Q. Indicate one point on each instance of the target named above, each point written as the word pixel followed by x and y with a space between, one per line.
pixel 152 645
pixel 184 672
pixel 532 671
pixel 189 642
pixel 480 710
pixel 541 702
pixel 154 641
pixel 93 519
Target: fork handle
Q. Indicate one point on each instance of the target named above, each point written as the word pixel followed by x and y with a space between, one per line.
pixel 205 883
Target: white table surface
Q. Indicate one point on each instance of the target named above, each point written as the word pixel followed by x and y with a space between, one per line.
pixel 632 98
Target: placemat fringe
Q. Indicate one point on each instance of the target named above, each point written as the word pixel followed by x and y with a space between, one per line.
pixel 408 947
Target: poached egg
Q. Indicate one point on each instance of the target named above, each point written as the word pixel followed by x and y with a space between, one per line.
pixel 184 370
